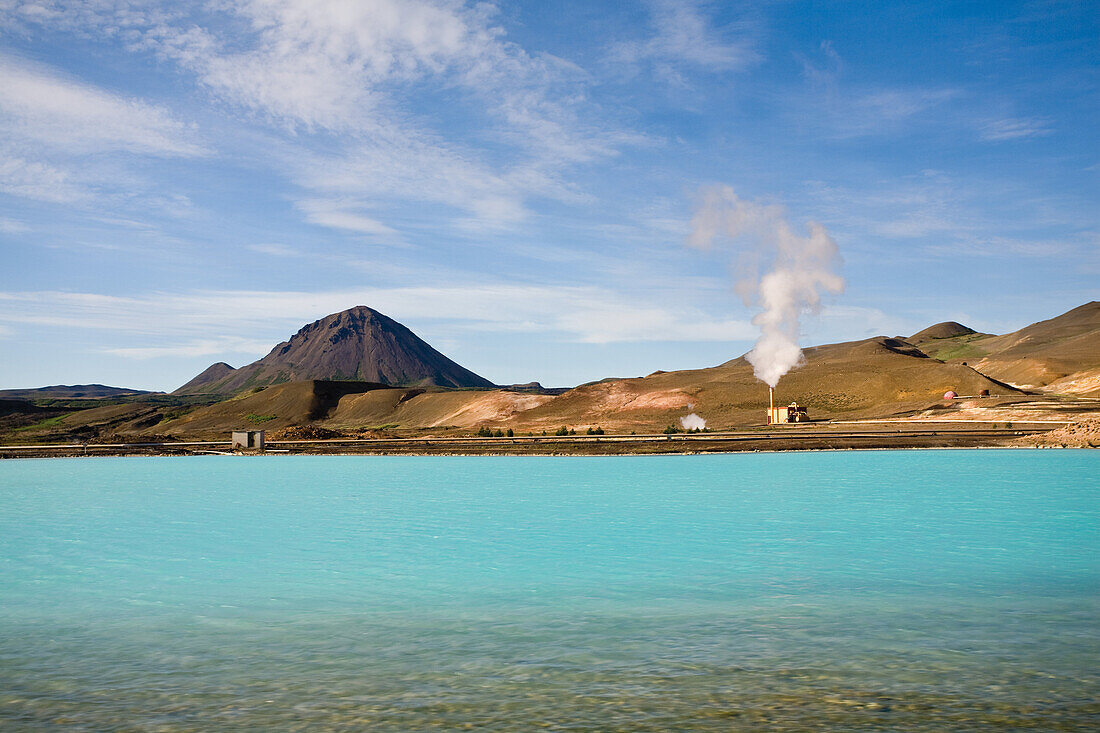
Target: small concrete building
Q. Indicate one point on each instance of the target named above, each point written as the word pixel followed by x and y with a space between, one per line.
pixel 248 440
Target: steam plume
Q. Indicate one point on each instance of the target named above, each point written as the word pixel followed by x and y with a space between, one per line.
pixel 800 268
pixel 692 422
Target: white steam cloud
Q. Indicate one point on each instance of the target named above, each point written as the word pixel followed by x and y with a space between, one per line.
pixel 800 268
pixel 692 422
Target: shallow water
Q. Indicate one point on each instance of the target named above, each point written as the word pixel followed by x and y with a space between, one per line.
pixel 914 590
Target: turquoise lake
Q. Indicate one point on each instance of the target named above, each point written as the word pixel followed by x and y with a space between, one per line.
pixel 878 590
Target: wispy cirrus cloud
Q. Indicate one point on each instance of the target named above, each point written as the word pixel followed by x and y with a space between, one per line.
pixel 192 348
pixel 941 216
pixel 40 181
pixel 404 165
pixel 974 245
pixel 50 126
pixel 342 215
pixel 12 226
pixel 849 108
pixel 846 108
pixel 917 206
pixel 337 78
pixel 39 105
pixel 1014 128
pixel 196 320
pixel 685 37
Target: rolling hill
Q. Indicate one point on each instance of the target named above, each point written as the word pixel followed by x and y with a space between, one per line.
pixel 1061 354
pixel 879 376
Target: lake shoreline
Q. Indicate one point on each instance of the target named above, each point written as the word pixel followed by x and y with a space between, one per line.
pixel 680 444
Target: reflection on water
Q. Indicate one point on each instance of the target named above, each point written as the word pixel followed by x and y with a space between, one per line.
pixel 880 591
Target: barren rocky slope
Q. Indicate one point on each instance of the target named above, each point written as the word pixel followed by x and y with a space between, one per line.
pixel 357 344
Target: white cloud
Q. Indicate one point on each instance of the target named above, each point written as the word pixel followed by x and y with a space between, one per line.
pixel 336 215
pixel 913 207
pixel 201 347
pixel 684 36
pixel 954 218
pixel 344 66
pixel 1000 246
pixel 320 64
pixel 275 250
pixel 40 181
pixel 401 165
pixel 57 136
pixel 875 107
pixel 854 319
pixel 613 323
pixel 1014 128
pixel 580 314
pixel 856 111
pixel 40 106
pixel 852 109
pixel 11 226
pixel 337 78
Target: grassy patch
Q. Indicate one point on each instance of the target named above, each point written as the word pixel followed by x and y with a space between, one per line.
pixel 960 347
pixel 174 414
pixel 49 422
pixel 254 418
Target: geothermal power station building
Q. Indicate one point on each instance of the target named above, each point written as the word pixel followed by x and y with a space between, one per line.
pixel 790 413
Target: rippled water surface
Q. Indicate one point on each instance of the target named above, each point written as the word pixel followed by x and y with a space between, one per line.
pixel 911 590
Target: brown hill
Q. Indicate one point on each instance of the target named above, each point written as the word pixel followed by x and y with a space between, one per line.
pixel 351 406
pixel 1061 349
pixel 278 406
pixel 356 344
pixel 19 407
pixel 879 376
pixel 1059 354
pixel 947 329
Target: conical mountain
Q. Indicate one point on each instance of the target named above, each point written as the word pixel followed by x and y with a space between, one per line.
pixel 357 344
pixel 213 373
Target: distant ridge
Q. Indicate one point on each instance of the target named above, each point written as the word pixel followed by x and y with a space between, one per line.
pixel 358 344
pixel 70 392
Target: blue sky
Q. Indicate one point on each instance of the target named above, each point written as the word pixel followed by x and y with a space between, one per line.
pixel 515 181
